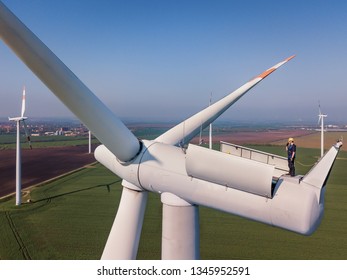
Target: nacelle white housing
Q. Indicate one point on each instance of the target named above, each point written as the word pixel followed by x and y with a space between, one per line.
pixel 295 205
pixel 230 171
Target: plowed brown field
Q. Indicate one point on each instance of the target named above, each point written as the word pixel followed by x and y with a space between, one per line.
pixel 39 165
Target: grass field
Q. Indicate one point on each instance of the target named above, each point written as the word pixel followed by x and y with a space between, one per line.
pixel 9 141
pixel 70 218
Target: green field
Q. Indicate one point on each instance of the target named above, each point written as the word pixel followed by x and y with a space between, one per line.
pixel 70 218
pixel 9 141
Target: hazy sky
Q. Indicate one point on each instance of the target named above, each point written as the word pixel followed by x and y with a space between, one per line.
pixel 162 59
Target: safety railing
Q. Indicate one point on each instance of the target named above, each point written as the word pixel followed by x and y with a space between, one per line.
pixel 280 163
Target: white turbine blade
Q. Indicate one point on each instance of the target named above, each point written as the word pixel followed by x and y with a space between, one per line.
pixel 26 133
pixel 319 174
pixel 123 240
pixel 67 87
pixel 319 113
pixel 205 117
pixel 23 103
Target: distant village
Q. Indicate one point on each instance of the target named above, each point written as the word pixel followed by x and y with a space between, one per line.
pixel 47 128
pixel 71 127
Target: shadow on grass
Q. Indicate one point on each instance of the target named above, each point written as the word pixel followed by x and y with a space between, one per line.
pixel 48 199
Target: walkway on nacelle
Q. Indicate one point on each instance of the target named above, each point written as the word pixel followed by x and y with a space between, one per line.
pixel 280 163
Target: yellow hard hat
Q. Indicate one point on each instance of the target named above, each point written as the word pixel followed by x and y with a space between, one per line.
pixel 290 139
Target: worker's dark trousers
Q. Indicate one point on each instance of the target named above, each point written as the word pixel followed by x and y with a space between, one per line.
pixel 291 167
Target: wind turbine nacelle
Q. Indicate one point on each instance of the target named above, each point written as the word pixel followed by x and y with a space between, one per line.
pixel 18 119
pixel 292 204
pixel 230 171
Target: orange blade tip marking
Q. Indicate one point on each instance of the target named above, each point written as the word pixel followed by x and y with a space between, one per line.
pixel 266 73
pixel 289 58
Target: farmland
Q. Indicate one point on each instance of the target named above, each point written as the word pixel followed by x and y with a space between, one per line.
pixel 9 141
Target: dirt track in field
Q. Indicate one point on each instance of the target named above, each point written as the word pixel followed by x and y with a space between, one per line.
pixel 39 165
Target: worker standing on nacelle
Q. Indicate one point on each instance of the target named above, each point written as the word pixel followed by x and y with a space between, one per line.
pixel 291 150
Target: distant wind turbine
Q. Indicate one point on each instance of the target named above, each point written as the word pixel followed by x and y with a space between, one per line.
pixel 90 141
pixel 201 141
pixel 321 121
pixel 210 134
pixel 18 149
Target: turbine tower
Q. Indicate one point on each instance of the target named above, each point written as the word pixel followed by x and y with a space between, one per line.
pixel 18 120
pixel 89 141
pixel 184 175
pixel 321 121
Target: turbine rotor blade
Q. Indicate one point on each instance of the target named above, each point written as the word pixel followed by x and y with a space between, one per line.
pixel 124 237
pixel 191 126
pixel 23 103
pixel 26 133
pixel 67 87
pixel 320 172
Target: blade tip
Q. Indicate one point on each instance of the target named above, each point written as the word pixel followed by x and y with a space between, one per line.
pixel 291 57
pixel 269 71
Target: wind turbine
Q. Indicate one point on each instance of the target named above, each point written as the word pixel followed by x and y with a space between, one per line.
pixel 184 175
pixel 210 128
pixel 89 141
pixel 18 120
pixel 321 120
